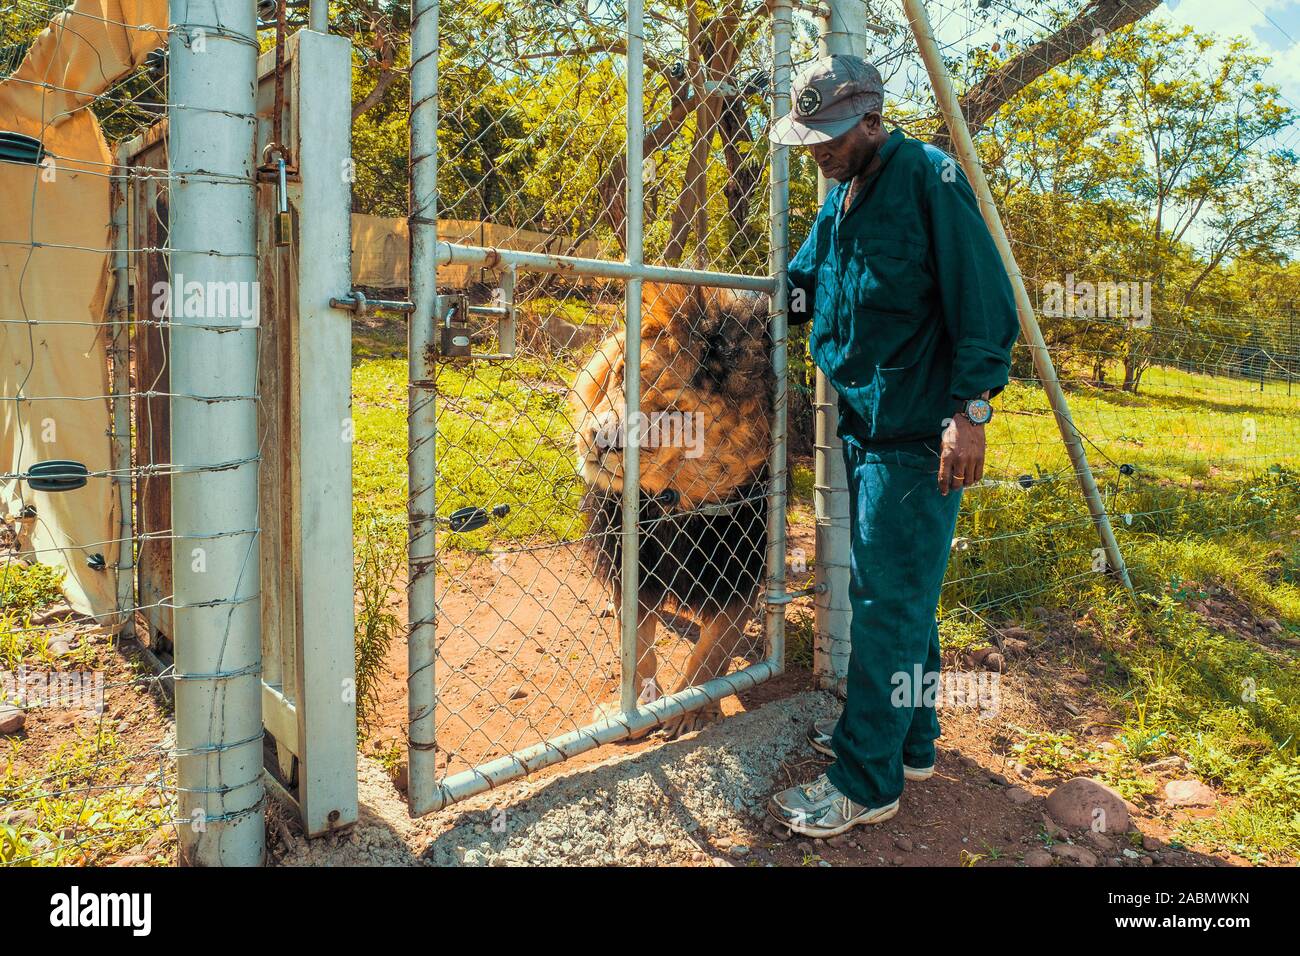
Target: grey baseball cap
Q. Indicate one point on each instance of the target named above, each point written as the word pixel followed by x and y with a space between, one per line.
pixel 829 97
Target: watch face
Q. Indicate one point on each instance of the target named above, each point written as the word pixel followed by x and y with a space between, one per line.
pixel 979 411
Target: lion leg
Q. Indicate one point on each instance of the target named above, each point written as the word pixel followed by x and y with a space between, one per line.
pixel 720 634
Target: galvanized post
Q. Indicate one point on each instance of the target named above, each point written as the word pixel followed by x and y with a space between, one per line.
pixel 213 357
pixel 778 258
pixel 843 31
pixel 422 423
pixel 629 612
pixel 941 84
pixel 326 658
pixel 318 16
pixel 119 351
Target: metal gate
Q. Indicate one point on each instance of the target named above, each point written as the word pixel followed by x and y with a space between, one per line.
pixel 525 562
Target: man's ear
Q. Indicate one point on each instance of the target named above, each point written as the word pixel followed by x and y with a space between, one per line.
pixel 872 123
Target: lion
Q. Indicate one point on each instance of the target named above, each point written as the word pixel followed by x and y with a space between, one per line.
pixel 705 435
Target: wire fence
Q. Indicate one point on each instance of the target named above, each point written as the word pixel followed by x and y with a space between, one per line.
pixel 92 770
pixel 1181 389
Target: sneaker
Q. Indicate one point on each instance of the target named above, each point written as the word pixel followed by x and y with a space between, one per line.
pixel 819 735
pixel 818 810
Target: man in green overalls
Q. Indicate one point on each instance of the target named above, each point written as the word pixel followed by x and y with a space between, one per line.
pixel 913 321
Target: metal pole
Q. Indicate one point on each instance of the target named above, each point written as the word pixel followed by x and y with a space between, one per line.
pixel 119 350
pixel 965 147
pixel 629 611
pixel 842 30
pixel 318 16
pixel 214 443
pixel 778 257
pixel 422 423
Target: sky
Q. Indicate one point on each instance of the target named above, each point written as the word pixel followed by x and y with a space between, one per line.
pixel 1274 25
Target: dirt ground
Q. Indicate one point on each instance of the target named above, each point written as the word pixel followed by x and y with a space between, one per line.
pixel 700 801
pixel 528 647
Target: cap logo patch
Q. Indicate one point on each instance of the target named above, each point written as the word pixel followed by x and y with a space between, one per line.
pixel 810 100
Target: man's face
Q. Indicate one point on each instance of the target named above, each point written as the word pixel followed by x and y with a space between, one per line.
pixel 847 155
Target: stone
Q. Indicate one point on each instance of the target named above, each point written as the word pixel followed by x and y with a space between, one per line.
pixel 1167 763
pixel 516 693
pixel 133 860
pixel 994 662
pixel 1038 858
pixel 903 843
pixel 1019 796
pixel 1076 854
pixel 1083 804
pixel 1189 793
pixel 12 719
pixel 1101 841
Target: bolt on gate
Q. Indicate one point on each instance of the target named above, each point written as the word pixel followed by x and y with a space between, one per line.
pixel 552 604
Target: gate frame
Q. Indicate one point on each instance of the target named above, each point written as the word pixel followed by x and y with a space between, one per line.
pixel 426 793
pixel 307 665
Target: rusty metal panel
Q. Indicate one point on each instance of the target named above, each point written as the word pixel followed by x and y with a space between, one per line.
pixel 150 384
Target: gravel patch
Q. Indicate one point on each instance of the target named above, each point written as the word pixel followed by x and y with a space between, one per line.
pixel 666 804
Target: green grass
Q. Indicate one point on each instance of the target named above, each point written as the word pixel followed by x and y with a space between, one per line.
pixel 504 438
pixel 86 810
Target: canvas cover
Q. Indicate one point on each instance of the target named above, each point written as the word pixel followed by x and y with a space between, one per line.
pixel 54 286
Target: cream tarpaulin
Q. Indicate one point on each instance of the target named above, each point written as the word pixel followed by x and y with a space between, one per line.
pixel 54 285
pixel 379 248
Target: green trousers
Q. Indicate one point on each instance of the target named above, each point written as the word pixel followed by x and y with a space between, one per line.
pixel 901 529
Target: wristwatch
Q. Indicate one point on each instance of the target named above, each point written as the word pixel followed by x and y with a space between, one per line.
pixel 978 411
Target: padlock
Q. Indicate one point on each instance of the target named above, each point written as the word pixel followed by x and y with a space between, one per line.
pixel 455 340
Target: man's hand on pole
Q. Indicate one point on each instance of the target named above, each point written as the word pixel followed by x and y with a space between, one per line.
pixel 961 458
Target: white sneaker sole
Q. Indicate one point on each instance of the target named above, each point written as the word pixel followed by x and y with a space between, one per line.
pixel 915 774
pixel 822 833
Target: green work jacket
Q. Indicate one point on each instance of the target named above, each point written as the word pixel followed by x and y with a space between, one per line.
pixel 912 312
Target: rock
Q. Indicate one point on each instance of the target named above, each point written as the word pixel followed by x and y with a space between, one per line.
pixel 1038 858
pixel 898 861
pixel 994 662
pixel 1101 841
pixel 1023 772
pixel 516 693
pixel 1077 854
pixel 779 831
pixel 1107 746
pixel 12 719
pixel 19 818
pixel 1151 844
pixel 1019 796
pixel 401 779
pixel 1014 648
pixel 1051 828
pixel 1167 763
pixel 842 842
pixel 903 843
pixel 1189 793
pixel 58 647
pixel 1083 804
pixel 138 859
pixel 738 851
pixel 51 614
pixel 1016 634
